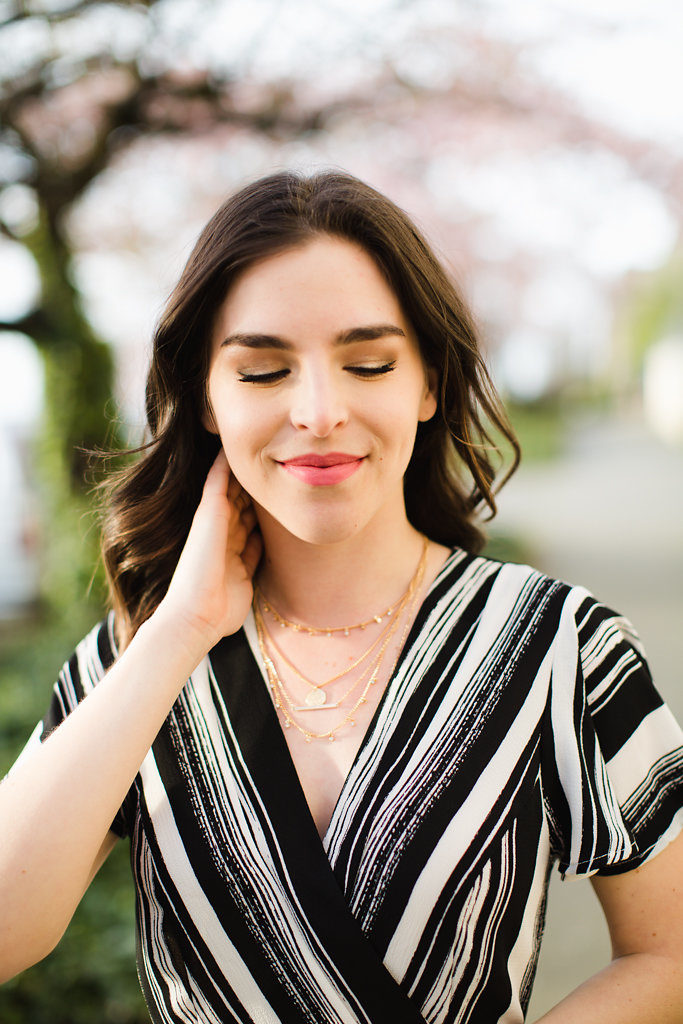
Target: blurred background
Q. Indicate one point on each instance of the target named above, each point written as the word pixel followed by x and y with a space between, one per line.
pixel 538 144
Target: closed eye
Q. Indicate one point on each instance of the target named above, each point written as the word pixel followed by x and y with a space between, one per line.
pixel 263 378
pixel 372 371
pixel 275 375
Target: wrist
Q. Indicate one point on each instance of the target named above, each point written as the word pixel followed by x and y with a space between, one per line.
pixel 180 637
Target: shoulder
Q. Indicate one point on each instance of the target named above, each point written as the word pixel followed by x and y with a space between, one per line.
pixel 502 582
pixel 515 592
pixel 92 658
pixel 88 664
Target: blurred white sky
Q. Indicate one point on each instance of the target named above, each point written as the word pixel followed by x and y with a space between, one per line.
pixel 583 212
pixel 622 58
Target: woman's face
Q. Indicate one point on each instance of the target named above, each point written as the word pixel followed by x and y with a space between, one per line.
pixel 316 385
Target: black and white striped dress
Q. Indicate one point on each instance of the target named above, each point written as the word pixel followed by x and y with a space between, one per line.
pixel 520 728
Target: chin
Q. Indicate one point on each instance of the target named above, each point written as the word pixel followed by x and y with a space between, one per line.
pixel 324 533
pixel 323 528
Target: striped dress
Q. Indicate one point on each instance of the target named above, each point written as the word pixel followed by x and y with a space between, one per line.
pixel 520 729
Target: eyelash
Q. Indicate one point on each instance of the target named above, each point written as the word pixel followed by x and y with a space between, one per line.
pixel 275 375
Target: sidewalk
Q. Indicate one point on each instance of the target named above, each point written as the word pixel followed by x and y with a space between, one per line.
pixel 608 515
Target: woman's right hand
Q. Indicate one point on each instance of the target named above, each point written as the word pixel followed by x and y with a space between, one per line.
pixel 211 590
pixel 54 815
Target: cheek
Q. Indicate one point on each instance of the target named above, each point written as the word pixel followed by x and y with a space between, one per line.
pixel 244 434
pixel 244 463
pixel 231 413
pixel 397 419
pixel 396 436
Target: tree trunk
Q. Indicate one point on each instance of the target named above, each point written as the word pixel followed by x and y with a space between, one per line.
pixel 79 419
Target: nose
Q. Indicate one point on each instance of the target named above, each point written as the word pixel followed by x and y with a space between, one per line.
pixel 318 403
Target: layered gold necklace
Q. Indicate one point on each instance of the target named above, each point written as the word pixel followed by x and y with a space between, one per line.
pixel 370 661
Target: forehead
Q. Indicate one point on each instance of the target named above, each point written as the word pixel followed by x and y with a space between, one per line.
pixel 327 280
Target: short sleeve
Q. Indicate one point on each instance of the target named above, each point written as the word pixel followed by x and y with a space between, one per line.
pixel 613 752
pixel 90 661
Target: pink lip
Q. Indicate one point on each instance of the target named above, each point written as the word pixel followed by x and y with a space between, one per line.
pixel 323 469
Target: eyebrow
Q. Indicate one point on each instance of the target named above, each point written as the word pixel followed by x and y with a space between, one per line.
pixel 354 334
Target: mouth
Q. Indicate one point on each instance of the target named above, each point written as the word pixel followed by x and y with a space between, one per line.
pixel 322 461
pixel 328 469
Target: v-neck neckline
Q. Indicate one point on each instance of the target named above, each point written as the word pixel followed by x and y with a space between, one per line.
pixel 290 847
pixel 285 756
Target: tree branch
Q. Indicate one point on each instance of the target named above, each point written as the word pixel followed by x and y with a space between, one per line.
pixel 7 232
pixel 23 13
pixel 34 324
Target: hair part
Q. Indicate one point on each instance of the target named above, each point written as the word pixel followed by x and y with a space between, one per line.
pixel 450 478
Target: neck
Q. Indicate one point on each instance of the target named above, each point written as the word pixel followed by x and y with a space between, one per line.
pixel 334 584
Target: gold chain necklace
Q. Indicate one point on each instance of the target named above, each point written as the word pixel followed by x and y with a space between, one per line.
pixel 301 627
pixel 282 699
pixel 316 699
pixel 279 694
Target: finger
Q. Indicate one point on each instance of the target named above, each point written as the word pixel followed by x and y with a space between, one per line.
pixel 234 488
pixel 249 518
pixel 238 495
pixel 218 477
pixel 253 549
pixel 239 507
pixel 234 512
pixel 238 540
pixel 241 525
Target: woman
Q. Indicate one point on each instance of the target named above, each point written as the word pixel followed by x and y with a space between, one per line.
pixel 368 745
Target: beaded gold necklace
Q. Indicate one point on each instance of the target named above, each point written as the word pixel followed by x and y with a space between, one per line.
pixel 316 698
pixel 300 627
pixel 282 698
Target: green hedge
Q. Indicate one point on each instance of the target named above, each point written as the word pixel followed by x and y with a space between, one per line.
pixel 91 975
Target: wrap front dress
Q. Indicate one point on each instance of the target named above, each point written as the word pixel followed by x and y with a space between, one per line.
pixel 520 729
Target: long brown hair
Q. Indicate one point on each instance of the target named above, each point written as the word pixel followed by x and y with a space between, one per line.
pixel 451 474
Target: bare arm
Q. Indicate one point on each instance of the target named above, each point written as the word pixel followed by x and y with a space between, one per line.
pixel 644 982
pixel 57 805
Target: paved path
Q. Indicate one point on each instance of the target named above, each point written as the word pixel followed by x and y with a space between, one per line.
pixel 609 515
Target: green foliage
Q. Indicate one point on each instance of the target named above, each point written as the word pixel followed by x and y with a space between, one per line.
pixel 91 975
pixel 505 547
pixel 654 309
pixel 539 427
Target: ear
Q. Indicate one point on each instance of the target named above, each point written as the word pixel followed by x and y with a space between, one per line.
pixel 429 402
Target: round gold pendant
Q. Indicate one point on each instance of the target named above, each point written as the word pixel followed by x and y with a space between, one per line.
pixel 316 698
